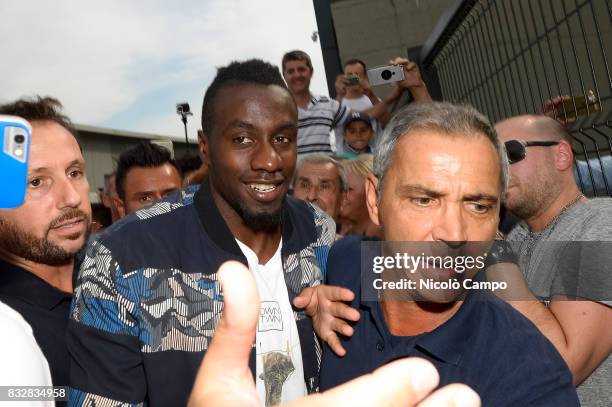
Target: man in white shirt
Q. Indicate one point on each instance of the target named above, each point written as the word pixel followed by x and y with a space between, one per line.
pixel 360 97
pixel 23 363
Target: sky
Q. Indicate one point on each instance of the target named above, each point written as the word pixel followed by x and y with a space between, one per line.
pixel 125 64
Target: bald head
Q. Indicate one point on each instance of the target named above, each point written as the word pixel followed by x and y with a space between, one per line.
pixel 539 126
pixel 537 181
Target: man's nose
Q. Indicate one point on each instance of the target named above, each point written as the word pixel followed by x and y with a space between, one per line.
pixel 67 194
pixel 266 158
pixel 313 193
pixel 450 225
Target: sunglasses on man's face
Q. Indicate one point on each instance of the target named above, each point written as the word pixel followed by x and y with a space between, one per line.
pixel 517 150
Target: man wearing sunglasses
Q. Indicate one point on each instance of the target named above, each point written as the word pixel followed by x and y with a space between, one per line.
pixel 543 193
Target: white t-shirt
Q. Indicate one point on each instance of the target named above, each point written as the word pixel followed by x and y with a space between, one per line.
pixel 280 373
pixel 22 363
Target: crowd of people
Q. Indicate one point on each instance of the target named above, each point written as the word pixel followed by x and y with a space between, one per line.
pixel 289 188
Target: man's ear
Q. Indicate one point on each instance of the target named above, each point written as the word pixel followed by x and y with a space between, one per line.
pixel 371 187
pixel 341 203
pixel 564 157
pixel 203 145
pixel 120 207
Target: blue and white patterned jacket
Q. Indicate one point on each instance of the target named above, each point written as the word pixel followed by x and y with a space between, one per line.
pixel 147 299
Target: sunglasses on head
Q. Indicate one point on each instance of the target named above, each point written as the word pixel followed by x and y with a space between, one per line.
pixel 517 150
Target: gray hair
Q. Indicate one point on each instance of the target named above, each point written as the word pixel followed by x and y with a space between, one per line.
pixel 445 117
pixel 321 158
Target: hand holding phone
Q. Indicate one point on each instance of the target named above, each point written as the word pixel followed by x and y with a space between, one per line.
pixel 15 135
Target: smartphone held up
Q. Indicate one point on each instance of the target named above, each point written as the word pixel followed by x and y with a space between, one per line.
pixel 381 75
pixel 15 141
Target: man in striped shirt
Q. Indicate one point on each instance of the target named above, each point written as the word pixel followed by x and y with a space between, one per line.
pixel 318 115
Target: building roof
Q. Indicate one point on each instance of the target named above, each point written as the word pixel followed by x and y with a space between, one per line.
pixel 84 128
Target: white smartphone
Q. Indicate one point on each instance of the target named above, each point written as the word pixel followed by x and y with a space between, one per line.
pixel 385 74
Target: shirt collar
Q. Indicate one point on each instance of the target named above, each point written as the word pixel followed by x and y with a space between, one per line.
pixel 450 340
pixel 352 150
pixel 297 225
pixel 16 282
pixel 447 343
pixel 313 100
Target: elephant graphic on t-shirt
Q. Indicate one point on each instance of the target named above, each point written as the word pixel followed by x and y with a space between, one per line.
pixel 277 367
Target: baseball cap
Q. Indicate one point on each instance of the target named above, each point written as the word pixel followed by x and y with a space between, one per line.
pixel 358 116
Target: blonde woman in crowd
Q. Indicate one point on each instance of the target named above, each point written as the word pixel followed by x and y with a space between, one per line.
pixel 353 210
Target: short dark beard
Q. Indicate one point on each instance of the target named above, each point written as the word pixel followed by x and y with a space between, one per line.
pixel 39 250
pixel 256 221
pixel 260 221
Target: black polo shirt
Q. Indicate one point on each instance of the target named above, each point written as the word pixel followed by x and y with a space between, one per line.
pixel 486 344
pixel 46 309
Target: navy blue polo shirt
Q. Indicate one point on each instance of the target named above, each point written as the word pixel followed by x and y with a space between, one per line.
pixel 486 344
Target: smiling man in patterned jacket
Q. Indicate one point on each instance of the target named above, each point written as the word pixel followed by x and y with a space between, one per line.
pixel 148 300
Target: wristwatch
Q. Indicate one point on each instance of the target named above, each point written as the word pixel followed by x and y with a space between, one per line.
pixel 501 252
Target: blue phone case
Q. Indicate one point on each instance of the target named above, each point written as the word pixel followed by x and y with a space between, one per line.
pixel 13 168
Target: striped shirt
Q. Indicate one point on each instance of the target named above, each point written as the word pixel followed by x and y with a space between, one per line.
pixel 316 123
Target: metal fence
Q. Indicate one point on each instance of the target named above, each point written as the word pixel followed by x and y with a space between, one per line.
pixel 511 57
